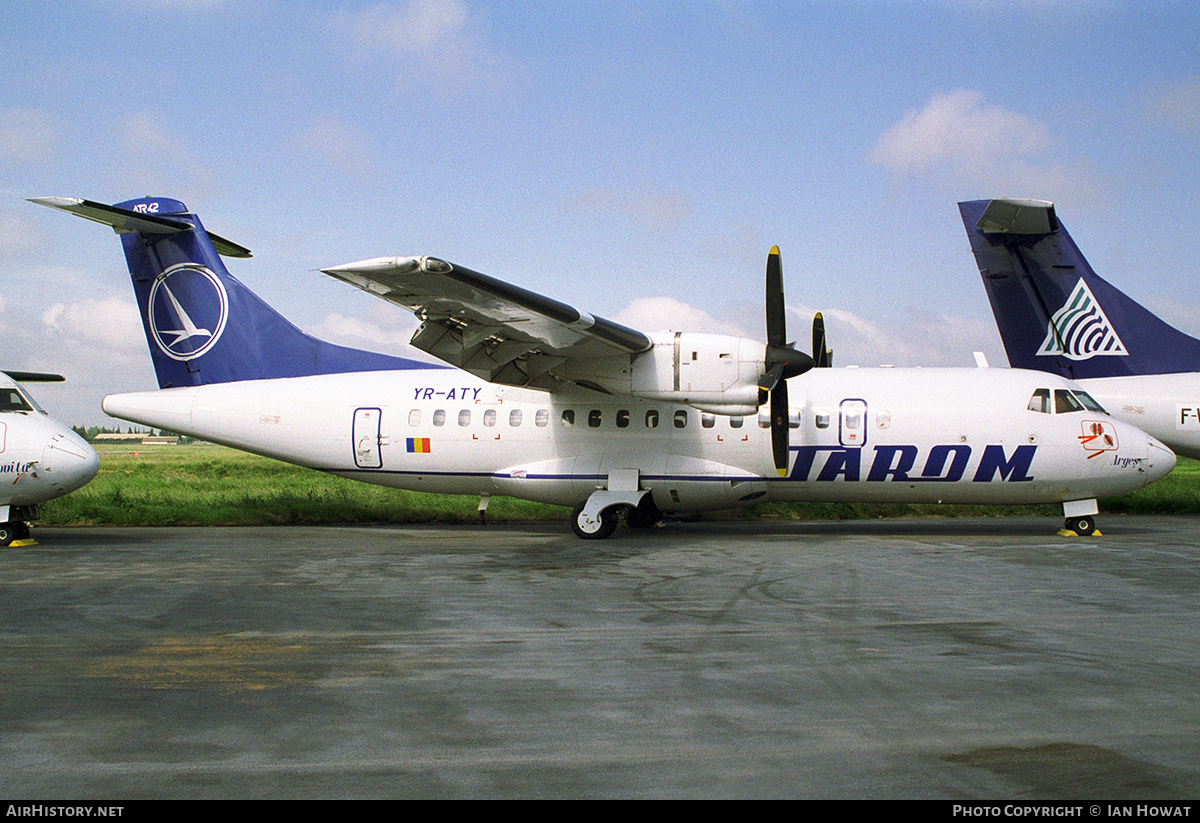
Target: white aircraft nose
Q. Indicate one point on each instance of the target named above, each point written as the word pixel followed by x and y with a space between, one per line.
pixel 1160 459
pixel 69 462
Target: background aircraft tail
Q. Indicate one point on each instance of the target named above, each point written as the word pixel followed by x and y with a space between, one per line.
pixel 1054 313
pixel 202 325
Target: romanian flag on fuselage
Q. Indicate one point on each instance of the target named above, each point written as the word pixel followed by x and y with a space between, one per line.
pixel 418 445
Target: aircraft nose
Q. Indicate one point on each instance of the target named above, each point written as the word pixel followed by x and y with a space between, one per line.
pixel 69 462
pixel 1160 460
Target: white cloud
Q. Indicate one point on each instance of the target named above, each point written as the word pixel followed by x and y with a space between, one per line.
pixel 111 323
pixel 438 43
pixel 381 333
pixel 663 313
pixel 920 339
pixel 925 339
pixel 26 136
pixel 958 131
pixel 956 139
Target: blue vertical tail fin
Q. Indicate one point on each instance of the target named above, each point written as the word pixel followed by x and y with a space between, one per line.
pixel 1054 313
pixel 202 325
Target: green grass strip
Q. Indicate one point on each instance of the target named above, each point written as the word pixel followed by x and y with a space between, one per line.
pixel 207 485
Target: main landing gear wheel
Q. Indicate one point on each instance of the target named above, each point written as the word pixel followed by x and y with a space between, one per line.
pixel 1082 526
pixel 599 529
pixel 645 515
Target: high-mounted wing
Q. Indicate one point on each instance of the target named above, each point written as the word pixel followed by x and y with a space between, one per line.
pixel 492 329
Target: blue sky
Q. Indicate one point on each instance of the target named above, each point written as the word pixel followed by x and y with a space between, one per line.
pixel 636 160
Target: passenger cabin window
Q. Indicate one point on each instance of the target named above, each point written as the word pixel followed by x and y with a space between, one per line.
pixel 464 418
pixel 568 417
pixel 542 418
pixel 414 417
pixel 439 417
pixel 623 418
pixel 514 418
pixel 793 418
pixel 708 420
pixel 736 422
pixel 764 420
pixel 681 419
pixel 489 417
pixel 652 419
pixel 594 418
pixel 821 420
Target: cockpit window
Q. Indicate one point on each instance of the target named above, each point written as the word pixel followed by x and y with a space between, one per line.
pixel 1040 402
pixel 1089 402
pixel 1065 402
pixel 12 400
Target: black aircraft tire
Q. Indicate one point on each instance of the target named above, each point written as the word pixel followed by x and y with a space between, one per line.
pixel 645 516
pixel 608 523
pixel 1083 526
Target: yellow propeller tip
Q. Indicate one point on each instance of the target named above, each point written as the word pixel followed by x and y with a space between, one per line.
pixel 782 472
pixel 774 249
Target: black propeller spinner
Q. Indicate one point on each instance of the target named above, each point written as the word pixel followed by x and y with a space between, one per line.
pixel 782 361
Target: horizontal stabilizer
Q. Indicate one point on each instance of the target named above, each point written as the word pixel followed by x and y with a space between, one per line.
pixel 34 377
pixel 125 221
pixel 1006 216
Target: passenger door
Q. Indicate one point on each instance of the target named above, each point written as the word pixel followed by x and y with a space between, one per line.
pixel 366 438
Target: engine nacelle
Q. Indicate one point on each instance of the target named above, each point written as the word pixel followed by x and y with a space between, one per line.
pixel 715 373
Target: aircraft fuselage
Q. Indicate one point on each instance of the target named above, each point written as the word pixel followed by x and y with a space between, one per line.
pixel 914 435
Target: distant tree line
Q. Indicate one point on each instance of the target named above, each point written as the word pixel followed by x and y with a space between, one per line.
pixel 90 433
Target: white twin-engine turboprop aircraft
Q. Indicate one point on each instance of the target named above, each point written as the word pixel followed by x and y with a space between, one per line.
pixel 551 404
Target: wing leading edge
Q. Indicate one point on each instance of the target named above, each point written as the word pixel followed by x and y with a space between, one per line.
pixel 492 329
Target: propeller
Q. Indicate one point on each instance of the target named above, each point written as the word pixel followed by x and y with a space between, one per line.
pixel 782 361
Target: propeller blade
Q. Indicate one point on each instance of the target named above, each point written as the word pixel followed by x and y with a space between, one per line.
pixel 776 322
pixel 779 427
pixel 822 357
